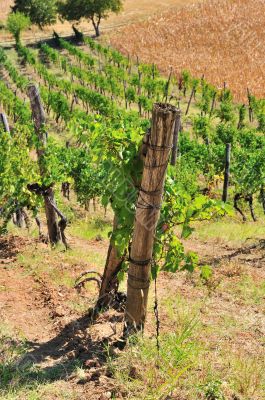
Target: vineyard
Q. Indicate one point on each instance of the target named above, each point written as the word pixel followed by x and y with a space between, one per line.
pixel 93 139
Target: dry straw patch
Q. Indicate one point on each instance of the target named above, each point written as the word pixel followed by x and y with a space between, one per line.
pixel 225 40
pixel 133 11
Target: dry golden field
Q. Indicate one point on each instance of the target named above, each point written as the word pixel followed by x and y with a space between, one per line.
pixel 134 10
pixel 223 39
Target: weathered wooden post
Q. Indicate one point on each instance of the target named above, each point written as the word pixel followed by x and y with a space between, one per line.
pixel 174 153
pixel 39 119
pixel 262 197
pixel 147 215
pixel 190 99
pixel 4 121
pixel 213 104
pixel 250 109
pixel 227 172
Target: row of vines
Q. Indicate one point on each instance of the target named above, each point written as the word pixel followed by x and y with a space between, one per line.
pixel 98 105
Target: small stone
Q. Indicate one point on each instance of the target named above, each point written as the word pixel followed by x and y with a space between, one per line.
pixel 105 396
pixel 60 311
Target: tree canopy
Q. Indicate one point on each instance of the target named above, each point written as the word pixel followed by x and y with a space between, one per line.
pixel 94 10
pixel 40 12
pixel 16 23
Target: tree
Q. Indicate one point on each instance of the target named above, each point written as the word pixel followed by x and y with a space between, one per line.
pixel 16 23
pixel 94 10
pixel 40 12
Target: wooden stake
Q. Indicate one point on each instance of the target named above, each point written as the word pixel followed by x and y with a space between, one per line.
pixel 4 121
pixel 250 110
pixel 227 172
pixel 147 215
pixel 190 99
pixel 38 116
pixel 174 153
pixel 213 104
pixel 168 84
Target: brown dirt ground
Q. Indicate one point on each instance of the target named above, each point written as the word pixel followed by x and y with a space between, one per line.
pixel 35 307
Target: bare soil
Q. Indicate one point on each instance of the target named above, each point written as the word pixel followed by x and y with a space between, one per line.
pixel 38 308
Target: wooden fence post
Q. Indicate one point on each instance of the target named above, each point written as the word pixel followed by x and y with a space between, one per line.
pixel 250 110
pixel 213 104
pixel 174 153
pixel 147 215
pixel 227 172
pixel 39 119
pixel 190 99
pixel 4 121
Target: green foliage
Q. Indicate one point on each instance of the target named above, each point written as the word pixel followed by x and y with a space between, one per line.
pixel 186 80
pixel 16 23
pixel 213 391
pixel 86 100
pixel 206 98
pixel 206 272
pixel 40 12
pixel 74 10
pixel 201 127
pixel 17 170
pixel 147 374
pixel 225 111
pixel 226 133
pixel 242 116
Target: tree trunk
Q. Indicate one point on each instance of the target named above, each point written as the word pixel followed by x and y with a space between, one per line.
pixel 227 172
pixel 78 35
pixel 262 197
pixel 96 27
pixel 147 215
pixel 39 123
pixel 87 205
pixel 51 216
pixel 174 154
pixel 109 284
pixel 251 207
pixel 66 190
pixel 19 220
pixel 237 197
